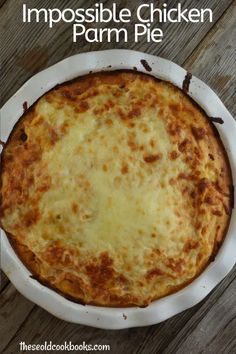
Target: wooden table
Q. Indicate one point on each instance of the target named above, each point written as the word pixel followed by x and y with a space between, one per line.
pixel 208 50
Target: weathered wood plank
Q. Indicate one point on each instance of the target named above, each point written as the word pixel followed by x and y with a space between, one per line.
pixel 14 309
pixel 167 342
pixel 214 59
pixel 49 328
pixel 34 47
pixel 214 330
pixel 153 339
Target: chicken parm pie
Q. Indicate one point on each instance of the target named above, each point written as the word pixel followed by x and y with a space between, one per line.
pixel 115 189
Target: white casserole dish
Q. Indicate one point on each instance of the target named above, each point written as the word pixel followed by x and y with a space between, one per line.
pixel 160 310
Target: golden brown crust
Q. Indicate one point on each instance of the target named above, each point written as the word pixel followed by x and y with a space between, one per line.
pixel 115 189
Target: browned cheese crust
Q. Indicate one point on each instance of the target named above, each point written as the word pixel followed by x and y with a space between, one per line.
pixel 115 189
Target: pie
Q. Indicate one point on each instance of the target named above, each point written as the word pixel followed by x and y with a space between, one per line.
pixel 116 189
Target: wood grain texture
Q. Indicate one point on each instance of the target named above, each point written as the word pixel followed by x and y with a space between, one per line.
pixel 213 328
pixel 208 51
pixel 153 339
pixel 214 59
pixel 14 310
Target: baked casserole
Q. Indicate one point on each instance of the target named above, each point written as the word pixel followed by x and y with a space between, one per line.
pixel 116 189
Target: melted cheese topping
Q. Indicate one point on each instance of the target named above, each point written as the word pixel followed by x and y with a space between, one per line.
pixel 115 189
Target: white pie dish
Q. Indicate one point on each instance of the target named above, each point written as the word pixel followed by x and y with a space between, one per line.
pixel 116 318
